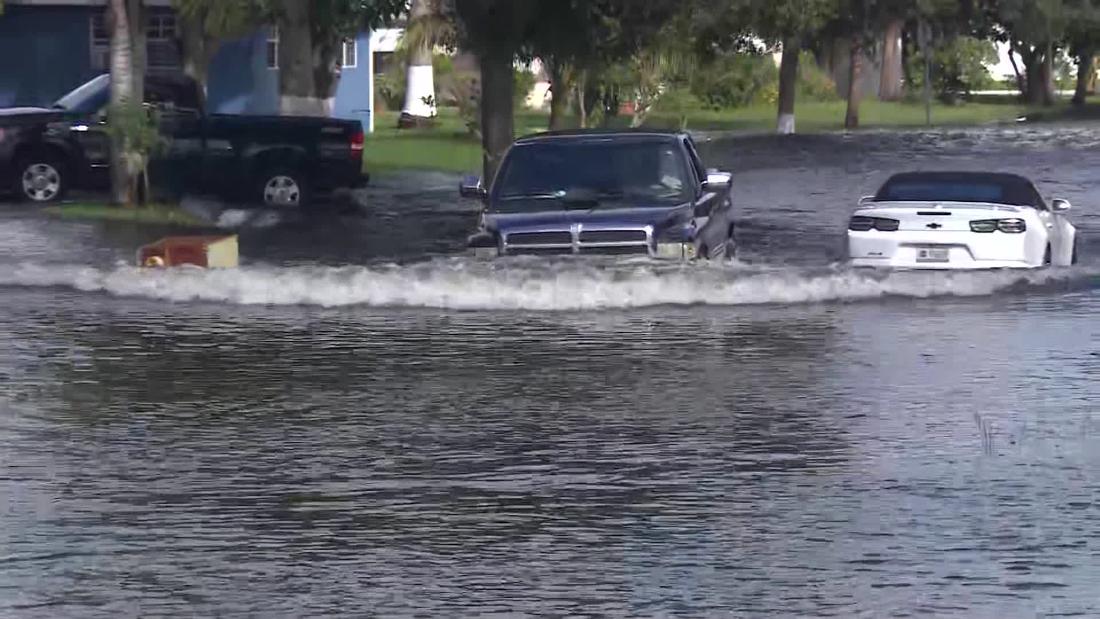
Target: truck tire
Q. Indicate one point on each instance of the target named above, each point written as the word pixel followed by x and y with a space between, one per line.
pixel 282 187
pixel 41 178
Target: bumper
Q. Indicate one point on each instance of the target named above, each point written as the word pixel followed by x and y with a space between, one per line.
pixel 888 263
pixel 939 251
pixel 485 245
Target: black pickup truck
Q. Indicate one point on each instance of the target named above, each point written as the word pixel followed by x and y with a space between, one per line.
pixel 274 160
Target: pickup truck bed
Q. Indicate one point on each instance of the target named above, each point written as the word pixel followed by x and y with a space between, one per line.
pixel 274 160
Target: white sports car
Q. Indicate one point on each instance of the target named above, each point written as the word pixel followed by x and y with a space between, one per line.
pixel 960 220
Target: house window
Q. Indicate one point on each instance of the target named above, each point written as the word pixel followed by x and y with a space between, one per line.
pixel 161 49
pixel 273 48
pixel 351 54
pixel 161 26
pixel 101 41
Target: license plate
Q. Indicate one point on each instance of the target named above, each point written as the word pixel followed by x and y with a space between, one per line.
pixel 933 254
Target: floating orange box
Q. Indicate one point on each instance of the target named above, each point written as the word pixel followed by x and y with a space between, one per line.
pixel 214 252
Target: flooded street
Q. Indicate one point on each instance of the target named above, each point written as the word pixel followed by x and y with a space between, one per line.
pixel 357 422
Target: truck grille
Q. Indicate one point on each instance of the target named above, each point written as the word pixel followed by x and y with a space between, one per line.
pixel 541 238
pixel 614 236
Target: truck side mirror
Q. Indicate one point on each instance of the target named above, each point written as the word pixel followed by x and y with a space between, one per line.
pixel 718 181
pixel 472 188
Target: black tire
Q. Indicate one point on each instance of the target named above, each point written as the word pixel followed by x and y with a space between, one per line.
pixel 1048 257
pixel 41 178
pixel 1074 258
pixel 731 247
pixel 704 253
pixel 282 187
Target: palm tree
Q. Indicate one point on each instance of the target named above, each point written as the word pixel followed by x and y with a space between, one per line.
pixel 426 29
pixel 122 94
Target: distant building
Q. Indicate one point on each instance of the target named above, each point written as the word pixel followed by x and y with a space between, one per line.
pixel 49 47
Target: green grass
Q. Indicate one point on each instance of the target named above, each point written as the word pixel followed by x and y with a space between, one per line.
pixel 161 214
pixel 449 147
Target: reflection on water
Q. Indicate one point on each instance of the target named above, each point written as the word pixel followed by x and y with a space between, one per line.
pixel 285 443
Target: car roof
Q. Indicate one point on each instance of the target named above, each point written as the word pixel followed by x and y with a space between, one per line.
pixel 946 176
pixel 582 134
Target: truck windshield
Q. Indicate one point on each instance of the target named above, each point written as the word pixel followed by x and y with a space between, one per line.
pixel 643 172
pixel 88 98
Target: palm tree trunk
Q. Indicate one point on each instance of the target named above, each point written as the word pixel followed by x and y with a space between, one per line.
pixel 855 91
pixel 122 93
pixel 788 85
pixel 419 106
pixel 138 45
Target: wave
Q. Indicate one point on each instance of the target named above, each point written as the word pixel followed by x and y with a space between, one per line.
pixel 463 284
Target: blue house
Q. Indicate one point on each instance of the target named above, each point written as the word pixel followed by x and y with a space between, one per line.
pixel 49 47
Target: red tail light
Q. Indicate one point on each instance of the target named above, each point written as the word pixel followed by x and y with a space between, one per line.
pixel 357 140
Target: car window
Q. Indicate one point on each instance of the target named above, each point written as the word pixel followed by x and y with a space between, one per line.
pixel 696 162
pixel 649 172
pixel 993 190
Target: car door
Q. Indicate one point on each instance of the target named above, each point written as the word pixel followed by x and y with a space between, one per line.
pixel 709 216
pixel 1055 227
pixel 94 144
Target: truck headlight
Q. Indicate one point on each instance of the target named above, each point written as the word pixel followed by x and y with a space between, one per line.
pixel 676 250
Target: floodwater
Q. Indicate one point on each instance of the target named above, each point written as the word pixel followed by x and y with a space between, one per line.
pixel 358 423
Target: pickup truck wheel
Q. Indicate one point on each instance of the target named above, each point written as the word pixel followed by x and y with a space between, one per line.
pixel 41 180
pixel 283 188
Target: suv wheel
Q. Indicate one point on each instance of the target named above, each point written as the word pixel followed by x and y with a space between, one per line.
pixel 283 188
pixel 41 180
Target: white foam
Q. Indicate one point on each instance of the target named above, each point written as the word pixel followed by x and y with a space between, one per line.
pixel 561 285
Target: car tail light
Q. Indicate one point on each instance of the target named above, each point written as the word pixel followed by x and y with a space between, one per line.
pixel 357 140
pixel 860 223
pixel 1008 226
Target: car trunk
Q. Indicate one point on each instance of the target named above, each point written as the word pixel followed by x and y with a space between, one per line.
pixel 935 216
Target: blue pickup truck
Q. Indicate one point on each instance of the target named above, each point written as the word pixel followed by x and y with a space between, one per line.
pixel 604 192
pixel 275 160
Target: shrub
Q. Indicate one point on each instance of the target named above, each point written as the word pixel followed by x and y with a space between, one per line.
pixel 525 82
pixel 814 83
pixel 734 80
pixel 959 67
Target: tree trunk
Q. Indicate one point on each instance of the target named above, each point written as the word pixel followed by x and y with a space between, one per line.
pixel 327 69
pixel 559 94
pixel 788 85
pixel 197 51
pixel 497 107
pixel 122 93
pixel 855 93
pixel 419 106
pixel 1021 83
pixel 906 56
pixel 582 102
pixel 1040 76
pixel 1048 76
pixel 1084 76
pixel 138 45
pixel 297 90
pixel 890 84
